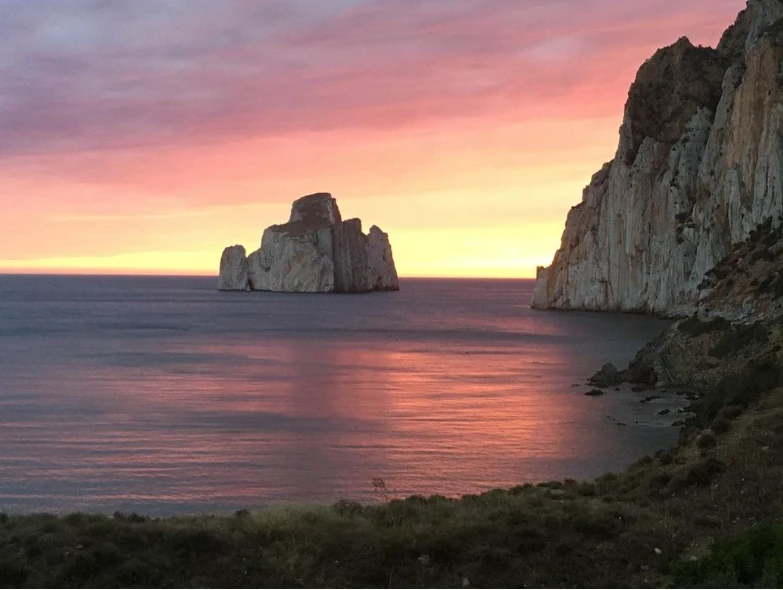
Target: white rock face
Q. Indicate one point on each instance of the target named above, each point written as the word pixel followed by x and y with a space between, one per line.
pixel 691 176
pixel 233 269
pixel 291 261
pixel 383 273
pixel 318 252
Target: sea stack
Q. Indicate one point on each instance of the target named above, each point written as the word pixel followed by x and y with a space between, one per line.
pixel 314 252
pixel 233 269
pixel 698 167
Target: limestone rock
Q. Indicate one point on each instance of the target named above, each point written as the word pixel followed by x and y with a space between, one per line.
pixel 233 269
pixel 699 165
pixel 383 274
pixel 291 259
pixel 351 271
pixel 317 252
pixel 316 210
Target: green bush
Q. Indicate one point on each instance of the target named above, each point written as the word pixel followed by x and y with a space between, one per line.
pixel 739 390
pixel 694 326
pixel 739 337
pixel 754 560
pixel 762 254
pixel 720 426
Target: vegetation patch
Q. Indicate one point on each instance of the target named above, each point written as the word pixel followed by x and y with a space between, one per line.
pixel 739 390
pixel 695 326
pixel 739 337
pixel 753 560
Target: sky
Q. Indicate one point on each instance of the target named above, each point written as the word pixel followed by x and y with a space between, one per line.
pixel 144 136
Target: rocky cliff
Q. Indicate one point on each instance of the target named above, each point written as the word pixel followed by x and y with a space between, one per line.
pixel 314 252
pixel 699 165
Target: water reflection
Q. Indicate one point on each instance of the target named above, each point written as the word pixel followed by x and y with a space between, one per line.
pixel 218 404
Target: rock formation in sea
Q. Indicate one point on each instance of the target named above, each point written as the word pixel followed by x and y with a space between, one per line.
pixel 698 167
pixel 316 252
pixel 233 269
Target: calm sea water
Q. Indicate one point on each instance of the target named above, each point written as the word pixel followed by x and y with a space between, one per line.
pixel 164 396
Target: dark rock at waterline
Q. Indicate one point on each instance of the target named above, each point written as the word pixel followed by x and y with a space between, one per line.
pixel 608 375
pixel 595 392
pixel 649 399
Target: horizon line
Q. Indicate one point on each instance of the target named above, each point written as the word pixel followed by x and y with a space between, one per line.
pixel 10 273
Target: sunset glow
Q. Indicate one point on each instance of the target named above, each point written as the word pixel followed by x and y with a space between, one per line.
pixel 143 137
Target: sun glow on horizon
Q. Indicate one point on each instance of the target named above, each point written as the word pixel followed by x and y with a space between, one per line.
pixel 467 142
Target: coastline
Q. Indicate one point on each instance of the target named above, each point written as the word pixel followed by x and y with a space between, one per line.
pixel 652 524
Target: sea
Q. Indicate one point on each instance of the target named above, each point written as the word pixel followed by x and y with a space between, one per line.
pixel 163 396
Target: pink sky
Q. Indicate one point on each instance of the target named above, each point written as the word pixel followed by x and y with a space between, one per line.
pixel 145 136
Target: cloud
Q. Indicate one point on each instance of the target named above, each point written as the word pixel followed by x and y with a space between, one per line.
pixel 95 75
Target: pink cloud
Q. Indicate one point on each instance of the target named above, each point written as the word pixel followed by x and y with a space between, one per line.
pixel 174 73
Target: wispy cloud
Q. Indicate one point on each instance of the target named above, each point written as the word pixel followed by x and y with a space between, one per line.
pixel 95 74
pixel 151 133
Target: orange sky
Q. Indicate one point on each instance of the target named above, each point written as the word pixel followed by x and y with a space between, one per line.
pixel 145 136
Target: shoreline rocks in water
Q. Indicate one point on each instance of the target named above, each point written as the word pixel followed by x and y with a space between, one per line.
pixel 314 252
pixel 595 392
pixel 606 377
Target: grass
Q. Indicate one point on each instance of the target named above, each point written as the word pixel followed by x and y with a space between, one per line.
pixel 527 535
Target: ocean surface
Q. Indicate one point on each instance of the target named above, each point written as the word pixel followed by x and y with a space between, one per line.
pixel 163 396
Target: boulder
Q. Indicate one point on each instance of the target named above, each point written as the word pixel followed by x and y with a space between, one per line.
pixel 233 269
pixel 608 375
pixel 383 274
pixel 595 393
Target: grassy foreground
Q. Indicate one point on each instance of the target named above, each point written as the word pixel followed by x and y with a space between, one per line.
pixel 651 525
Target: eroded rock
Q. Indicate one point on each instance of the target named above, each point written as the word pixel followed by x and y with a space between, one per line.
pixel 318 252
pixel 383 274
pixel 233 269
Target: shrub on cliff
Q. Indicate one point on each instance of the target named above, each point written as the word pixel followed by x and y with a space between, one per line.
pixel 695 326
pixel 754 560
pixel 739 390
pixel 739 337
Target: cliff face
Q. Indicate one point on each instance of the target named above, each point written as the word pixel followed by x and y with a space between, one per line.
pixel 699 165
pixel 314 252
